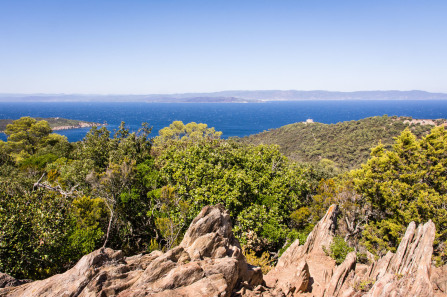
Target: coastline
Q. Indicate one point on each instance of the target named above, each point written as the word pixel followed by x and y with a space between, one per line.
pixel 81 125
pixel 56 123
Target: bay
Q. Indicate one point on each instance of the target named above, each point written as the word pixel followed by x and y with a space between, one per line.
pixel 233 119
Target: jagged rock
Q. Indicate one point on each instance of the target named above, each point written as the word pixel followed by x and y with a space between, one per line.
pixel 334 287
pixel 306 267
pixel 408 271
pixel 291 281
pixel 378 268
pixel 208 262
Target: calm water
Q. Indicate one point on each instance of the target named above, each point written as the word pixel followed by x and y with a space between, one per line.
pixel 233 119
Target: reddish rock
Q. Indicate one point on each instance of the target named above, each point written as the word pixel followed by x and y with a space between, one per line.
pixel 408 271
pixel 304 268
pixel 438 279
pixel 341 272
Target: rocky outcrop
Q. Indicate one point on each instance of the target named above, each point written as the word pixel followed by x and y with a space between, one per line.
pixel 208 262
pixel 72 282
pixel 307 271
pixel 209 253
pixel 304 268
pixel 406 273
pixel 340 274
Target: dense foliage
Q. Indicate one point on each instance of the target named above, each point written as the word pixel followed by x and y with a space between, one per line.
pixel 345 145
pixel 257 185
pixel 407 183
pixel 128 191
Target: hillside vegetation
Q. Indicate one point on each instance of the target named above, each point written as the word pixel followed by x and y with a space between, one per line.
pixel 348 144
pixel 137 193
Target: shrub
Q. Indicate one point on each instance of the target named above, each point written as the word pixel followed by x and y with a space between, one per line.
pixel 263 261
pixel 338 250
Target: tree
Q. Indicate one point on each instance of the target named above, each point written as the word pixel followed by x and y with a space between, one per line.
pixel 191 132
pixel 96 146
pixel 34 230
pixel 131 145
pixel 407 183
pixel 251 182
pixel 25 135
pixel 355 211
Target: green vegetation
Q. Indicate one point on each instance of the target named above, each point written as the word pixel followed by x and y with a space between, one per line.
pixel 128 191
pixel 344 145
pixel 264 261
pixel 338 250
pixel 407 183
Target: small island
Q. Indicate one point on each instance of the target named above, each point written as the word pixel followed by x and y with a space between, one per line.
pixel 56 123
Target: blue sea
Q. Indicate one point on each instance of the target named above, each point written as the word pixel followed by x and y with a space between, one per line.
pixel 233 119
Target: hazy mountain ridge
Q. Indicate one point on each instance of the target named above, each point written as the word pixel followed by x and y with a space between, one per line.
pixel 240 96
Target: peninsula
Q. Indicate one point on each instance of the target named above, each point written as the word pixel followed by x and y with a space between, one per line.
pixel 56 123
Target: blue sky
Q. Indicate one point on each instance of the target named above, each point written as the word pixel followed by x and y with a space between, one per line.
pixel 141 47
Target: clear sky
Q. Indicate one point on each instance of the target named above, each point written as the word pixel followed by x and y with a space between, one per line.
pixel 163 46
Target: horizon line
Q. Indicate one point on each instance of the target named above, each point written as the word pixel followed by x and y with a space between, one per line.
pixel 212 92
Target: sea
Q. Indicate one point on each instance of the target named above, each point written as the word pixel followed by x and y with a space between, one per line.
pixel 233 119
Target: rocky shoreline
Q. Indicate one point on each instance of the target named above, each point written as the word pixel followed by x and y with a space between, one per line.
pixel 80 125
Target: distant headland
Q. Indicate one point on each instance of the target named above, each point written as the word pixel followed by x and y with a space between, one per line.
pixel 256 96
pixel 56 123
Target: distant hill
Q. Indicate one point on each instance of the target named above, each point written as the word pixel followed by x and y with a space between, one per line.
pixel 291 95
pixel 200 98
pixel 229 96
pixel 347 144
pixel 55 123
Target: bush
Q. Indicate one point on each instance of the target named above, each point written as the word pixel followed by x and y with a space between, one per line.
pixel 338 250
pixel 263 261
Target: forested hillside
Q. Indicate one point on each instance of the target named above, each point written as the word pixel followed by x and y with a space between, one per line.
pixel 347 144
pixel 138 193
